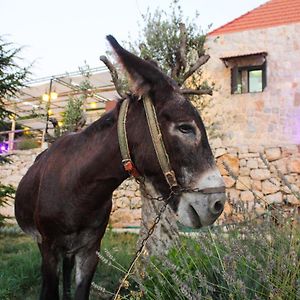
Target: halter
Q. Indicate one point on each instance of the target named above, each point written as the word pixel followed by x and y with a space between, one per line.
pixel 156 137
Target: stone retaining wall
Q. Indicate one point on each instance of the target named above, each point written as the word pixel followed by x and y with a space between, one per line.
pixel 273 174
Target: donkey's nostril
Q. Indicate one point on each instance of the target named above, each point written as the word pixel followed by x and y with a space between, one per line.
pixel 216 207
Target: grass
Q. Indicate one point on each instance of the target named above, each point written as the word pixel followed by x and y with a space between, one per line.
pixel 20 264
pixel 257 260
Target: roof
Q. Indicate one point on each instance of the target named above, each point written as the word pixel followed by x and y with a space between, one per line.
pixel 273 13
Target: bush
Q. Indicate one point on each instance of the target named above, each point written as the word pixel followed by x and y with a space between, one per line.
pixel 257 259
pixel 6 192
pixel 257 262
pixel 27 144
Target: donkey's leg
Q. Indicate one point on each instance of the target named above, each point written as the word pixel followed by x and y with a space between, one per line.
pixel 86 263
pixel 50 278
pixel 68 264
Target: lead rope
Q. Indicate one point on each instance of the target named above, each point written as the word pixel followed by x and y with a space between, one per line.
pixel 143 244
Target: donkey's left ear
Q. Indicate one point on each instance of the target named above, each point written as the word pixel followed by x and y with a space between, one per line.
pixel 145 75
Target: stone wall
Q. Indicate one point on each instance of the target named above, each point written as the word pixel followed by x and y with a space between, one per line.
pixel 126 199
pixel 269 174
pixel 272 173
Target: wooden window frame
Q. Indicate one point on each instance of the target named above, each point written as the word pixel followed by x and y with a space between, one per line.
pixel 236 70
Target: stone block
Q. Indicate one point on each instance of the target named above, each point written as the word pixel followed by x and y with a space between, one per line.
pixel 293 166
pixel 243 163
pixel 124 217
pixel 122 202
pixel 219 152
pixel 243 183
pixel 260 174
pixel 244 171
pixel 289 150
pixel 216 143
pixel 248 155
pixel 230 161
pixel 229 181
pixel 259 196
pixel 254 149
pixel 274 198
pixel 243 150
pixel 232 150
pixel 273 153
pixel 256 185
pixel 252 163
pixel 292 199
pixel 135 202
pixel 270 187
pixel 233 195
pixel 247 196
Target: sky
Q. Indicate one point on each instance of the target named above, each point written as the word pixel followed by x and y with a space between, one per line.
pixel 58 36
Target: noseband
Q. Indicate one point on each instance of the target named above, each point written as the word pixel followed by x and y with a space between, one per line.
pixel 156 137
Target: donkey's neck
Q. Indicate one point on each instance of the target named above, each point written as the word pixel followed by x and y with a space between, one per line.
pixel 102 155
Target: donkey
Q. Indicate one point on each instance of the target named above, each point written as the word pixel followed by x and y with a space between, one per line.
pixel 65 198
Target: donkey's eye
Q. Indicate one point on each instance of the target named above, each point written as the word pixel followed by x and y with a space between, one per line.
pixel 186 128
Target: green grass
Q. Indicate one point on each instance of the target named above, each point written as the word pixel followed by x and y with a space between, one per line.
pixel 257 260
pixel 20 265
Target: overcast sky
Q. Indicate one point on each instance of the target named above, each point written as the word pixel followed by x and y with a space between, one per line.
pixel 59 35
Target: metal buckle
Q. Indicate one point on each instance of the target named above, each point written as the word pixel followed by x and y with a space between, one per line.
pixel 171 179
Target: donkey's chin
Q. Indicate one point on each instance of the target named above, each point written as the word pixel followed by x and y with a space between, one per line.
pixel 196 210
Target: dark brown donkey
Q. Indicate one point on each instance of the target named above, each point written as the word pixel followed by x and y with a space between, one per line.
pixel 65 198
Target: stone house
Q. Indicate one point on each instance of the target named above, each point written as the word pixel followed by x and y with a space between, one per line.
pixel 255 64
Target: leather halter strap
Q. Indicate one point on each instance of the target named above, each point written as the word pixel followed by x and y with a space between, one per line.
pixel 156 137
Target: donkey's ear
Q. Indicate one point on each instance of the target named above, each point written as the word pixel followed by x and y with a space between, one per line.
pixel 145 75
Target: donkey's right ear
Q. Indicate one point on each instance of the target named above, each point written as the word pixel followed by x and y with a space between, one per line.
pixel 145 76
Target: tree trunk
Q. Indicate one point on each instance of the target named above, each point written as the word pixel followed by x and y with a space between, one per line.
pixel 166 232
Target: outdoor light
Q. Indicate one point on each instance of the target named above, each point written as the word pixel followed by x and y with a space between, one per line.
pixel 45 97
pixel 53 95
pixel 60 123
pixel 93 104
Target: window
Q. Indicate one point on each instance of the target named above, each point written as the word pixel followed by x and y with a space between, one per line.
pixel 248 79
pixel 248 73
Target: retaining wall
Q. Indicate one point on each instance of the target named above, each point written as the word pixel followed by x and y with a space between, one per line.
pixel 271 173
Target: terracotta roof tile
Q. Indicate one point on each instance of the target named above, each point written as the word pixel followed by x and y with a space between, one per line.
pixel 272 13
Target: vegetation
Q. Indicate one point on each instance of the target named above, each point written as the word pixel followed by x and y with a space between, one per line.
pixel 12 76
pixel 257 260
pixel 74 114
pixel 20 264
pixel 28 143
pixel 6 193
pixel 176 45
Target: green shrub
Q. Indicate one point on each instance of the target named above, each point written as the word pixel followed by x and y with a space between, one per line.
pixel 6 192
pixel 253 261
pixel 28 144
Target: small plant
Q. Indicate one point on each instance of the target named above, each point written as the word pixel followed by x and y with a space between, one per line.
pixel 28 143
pixel 6 193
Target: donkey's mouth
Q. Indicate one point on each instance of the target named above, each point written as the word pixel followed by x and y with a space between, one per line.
pixel 194 217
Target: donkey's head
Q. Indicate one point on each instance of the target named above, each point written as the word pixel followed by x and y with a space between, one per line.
pixel 185 139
